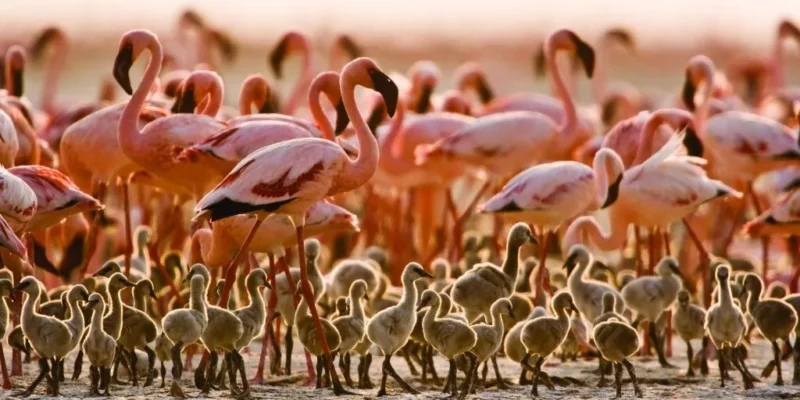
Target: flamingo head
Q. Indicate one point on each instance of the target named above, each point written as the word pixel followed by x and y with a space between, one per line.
pixel 788 28
pixel 565 39
pixel 290 43
pixel 348 46
pixel 470 75
pixel 15 63
pixel 365 72
pixel 131 46
pixel 49 35
pixel 699 70
pixel 196 87
pixel 328 83
pixel 191 19
pixel 609 163
pixel 622 36
pixel 424 79
pixel 454 101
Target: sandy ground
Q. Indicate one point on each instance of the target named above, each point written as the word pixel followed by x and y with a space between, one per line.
pixel 656 382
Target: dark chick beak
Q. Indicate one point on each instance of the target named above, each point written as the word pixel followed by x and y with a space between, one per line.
pixel 19 287
pixel 424 103
pixel 127 283
pixel 187 103
pixel 153 293
pixel 85 296
pixel 277 56
pixel 613 192
pixel 572 307
pixel 102 271
pixel 425 273
pixel 387 88
pixel 122 67
pixel 511 314
pixel 570 261
pixel 688 91
pixel 342 119
pixel 585 54
pixel 532 239
pixel 366 297
pixel 675 270
pixel 422 304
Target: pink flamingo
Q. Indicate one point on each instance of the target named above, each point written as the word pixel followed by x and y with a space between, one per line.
pixel 293 42
pixel 256 91
pixel 549 194
pixel 52 37
pixel 417 85
pixel 9 144
pixel 665 188
pixel 288 177
pixel 343 50
pixel 502 144
pixel 151 147
pixel 228 147
pixel 782 219
pixel 739 146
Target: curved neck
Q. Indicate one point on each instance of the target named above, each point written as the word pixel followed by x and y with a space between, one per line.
pixel 97 319
pixel 360 170
pixel 674 117
pixel 139 301
pixel 391 146
pixel 76 315
pixel 777 76
pixel 128 132
pixel 605 241
pixel 315 106
pixel 511 263
pixel 197 298
pixel 116 307
pixel 754 298
pixel 430 315
pixel 29 307
pixel 570 122
pixel 599 76
pixel 201 247
pixel 51 77
pixel 725 297
pixel 409 298
pixel 214 102
pixel 563 317
pixel 302 83
pixel 497 321
pixel 356 310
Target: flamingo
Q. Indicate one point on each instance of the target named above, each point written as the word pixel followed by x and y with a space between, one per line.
pixel 549 194
pixel 504 143
pixel 226 148
pixel 343 50
pixel 288 177
pixel 150 148
pixel 739 145
pixel 257 91
pixel 54 38
pixel 782 219
pixel 290 43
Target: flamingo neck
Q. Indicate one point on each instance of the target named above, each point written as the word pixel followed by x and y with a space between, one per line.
pixel 430 316
pixel 201 246
pixel 53 74
pixel 214 102
pixel 315 106
pixel 605 241
pixel 570 122
pixel 29 307
pixel 360 170
pixel 391 145
pixel 777 76
pixel 599 77
pixel 97 318
pixel 409 297
pixel 601 177
pixel 128 130
pixel 497 321
pixel 302 83
pixel 754 297
pixel 647 136
pixel 76 318
pixel 725 297
pixel 256 301
pixel 356 310
pixel 139 302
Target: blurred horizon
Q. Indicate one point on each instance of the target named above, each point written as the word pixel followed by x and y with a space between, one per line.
pixel 501 35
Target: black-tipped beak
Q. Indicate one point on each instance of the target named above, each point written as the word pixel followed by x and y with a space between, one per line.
pixel 688 91
pixel 511 314
pixel 153 293
pixel 484 91
pixel 271 105
pixel 613 192
pixel 366 297
pixel 424 102
pixel 376 117
pixel 539 62
pixel 694 147
pixel 585 54
pixel 16 79
pixel 342 119
pixel 623 37
pixel 127 283
pixel 675 270
pixel 277 56
pixel 387 88
pixel 350 47
pixel 570 262
pixel 19 287
pixel 186 103
pixel 532 239
pixel 85 296
pixel 424 273
pixel 122 67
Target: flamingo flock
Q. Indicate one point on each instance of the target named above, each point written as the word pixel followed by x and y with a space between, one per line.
pixel 522 230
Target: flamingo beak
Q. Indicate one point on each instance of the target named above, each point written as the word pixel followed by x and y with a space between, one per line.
pixel 387 88
pixel 342 119
pixel 122 67
pixel 350 47
pixel 277 56
pixel 424 103
pixel 585 54
pixel 186 103
pixel 539 62
pixel 688 91
pixel 16 78
pixel 613 192
pixel 153 293
pixel 271 105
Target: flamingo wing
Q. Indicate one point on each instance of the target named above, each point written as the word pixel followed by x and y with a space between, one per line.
pixel 274 176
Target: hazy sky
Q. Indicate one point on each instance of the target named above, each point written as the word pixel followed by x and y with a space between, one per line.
pixel 744 21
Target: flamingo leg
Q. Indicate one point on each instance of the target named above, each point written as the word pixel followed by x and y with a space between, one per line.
pixel 764 239
pixel 128 251
pixel 165 275
pixel 665 234
pixel 258 379
pixel 6 381
pixel 296 300
pixel 94 229
pixel 540 282
pixel 651 250
pixel 16 356
pixel 638 263
pixel 705 259
pixel 230 272
pixel 459 222
pixel 456 238
pixel 305 286
pixel 793 245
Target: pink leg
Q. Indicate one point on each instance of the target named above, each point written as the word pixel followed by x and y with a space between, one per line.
pixel 6 381
pixel 258 379
pixel 764 239
pixel 638 263
pixel 16 356
pixel 540 273
pixel 459 222
pixel 312 374
pixel 704 263
pixel 230 272
pixel 126 201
